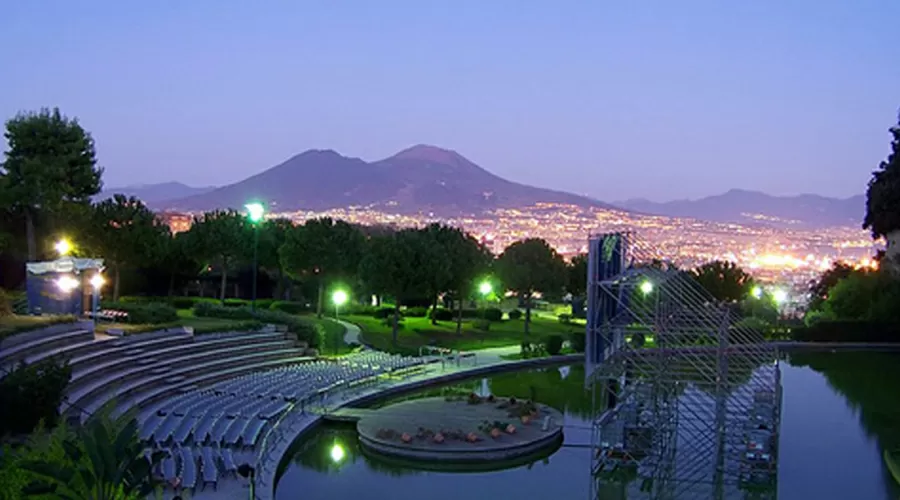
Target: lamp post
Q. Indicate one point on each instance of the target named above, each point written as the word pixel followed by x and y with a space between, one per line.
pixel 63 247
pixel 339 297
pixel 255 212
pixel 96 282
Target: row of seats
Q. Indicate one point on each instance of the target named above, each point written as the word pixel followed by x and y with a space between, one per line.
pixel 186 466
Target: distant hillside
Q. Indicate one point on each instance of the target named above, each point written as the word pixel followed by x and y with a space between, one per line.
pixel 155 194
pixel 419 179
pixel 748 206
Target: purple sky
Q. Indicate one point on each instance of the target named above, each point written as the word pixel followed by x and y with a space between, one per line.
pixel 657 98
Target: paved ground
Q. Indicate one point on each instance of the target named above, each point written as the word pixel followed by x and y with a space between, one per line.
pixel 351 336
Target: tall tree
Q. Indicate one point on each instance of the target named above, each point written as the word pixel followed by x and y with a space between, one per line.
pixel 883 195
pixel 725 281
pixel 437 246
pixel 530 266
pixel 50 162
pixel 818 289
pixel 174 255
pixel 468 259
pixel 324 248
pixel 273 235
pixel 221 238
pixel 577 276
pixel 394 265
pixel 123 231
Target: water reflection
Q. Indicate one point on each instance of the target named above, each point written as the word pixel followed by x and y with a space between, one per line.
pixel 840 410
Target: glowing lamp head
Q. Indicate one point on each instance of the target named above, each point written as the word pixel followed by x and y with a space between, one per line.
pixel 97 281
pixel 63 247
pixel 337 453
pixel 646 287
pixel 339 297
pixel 485 288
pixel 255 211
pixel 756 292
pixel 66 283
pixel 780 296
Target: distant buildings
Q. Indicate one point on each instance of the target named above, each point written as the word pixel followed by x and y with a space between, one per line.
pixel 177 222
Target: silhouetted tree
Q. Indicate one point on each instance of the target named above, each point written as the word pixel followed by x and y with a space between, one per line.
pixel 530 266
pixel 883 195
pixel 725 281
pixel 50 163
pixel 220 238
pixel 577 267
pixel 818 289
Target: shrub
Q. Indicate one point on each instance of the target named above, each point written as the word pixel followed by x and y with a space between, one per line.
pixel 493 314
pixel 384 312
pixel 532 350
pixel 442 314
pixel 416 312
pixel 565 319
pixel 263 303
pixel 847 331
pixel 553 344
pixel 482 324
pixel 35 391
pixel 361 309
pixel 288 307
pixel 236 303
pixel 578 341
pixel 182 302
pixel 306 330
pixel 5 304
pixel 514 314
pixel 145 313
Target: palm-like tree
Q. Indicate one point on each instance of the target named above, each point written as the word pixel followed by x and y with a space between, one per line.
pixel 105 460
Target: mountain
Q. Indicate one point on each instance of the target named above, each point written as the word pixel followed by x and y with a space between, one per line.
pixel 742 206
pixel 419 179
pixel 155 194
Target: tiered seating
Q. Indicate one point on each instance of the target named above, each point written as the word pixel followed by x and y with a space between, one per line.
pixel 55 339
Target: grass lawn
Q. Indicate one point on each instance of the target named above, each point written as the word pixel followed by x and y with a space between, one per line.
pixel 11 325
pixel 185 318
pixel 416 332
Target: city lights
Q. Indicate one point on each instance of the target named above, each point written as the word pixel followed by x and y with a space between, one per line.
pixel 756 292
pixel 780 296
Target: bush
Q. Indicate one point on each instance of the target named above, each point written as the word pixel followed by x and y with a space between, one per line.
pixel 442 314
pixel 578 341
pixel 416 312
pixel 482 324
pixel 36 392
pixel 236 303
pixel 553 344
pixel 847 331
pixel 288 307
pixel 145 313
pixel 384 312
pixel 5 304
pixel 757 325
pixel 263 303
pixel 306 330
pixel 514 314
pixel 532 350
pixel 182 302
pixel 492 314
pixel 565 319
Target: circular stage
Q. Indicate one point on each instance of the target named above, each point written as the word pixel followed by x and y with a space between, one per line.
pixel 468 430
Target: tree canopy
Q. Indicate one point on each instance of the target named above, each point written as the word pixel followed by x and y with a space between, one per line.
pixel 577 275
pixel 50 162
pixel 725 281
pixel 529 266
pixel 818 289
pixel 220 238
pixel 883 194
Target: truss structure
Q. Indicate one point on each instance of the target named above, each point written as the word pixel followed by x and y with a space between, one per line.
pixel 687 401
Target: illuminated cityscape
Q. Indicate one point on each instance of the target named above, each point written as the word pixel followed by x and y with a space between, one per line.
pixel 789 257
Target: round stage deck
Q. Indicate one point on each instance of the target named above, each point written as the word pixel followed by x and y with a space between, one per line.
pixel 421 419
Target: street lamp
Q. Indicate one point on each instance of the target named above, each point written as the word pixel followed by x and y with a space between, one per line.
pixel 485 288
pixel 63 247
pixel 255 212
pixel 756 292
pixel 646 287
pixel 339 297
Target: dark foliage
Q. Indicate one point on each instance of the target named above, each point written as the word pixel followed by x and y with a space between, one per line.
pixel 848 330
pixel 32 393
pixel 145 313
pixel 514 314
pixel 493 314
pixel 553 344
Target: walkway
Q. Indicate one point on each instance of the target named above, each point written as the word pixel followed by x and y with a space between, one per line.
pixel 351 333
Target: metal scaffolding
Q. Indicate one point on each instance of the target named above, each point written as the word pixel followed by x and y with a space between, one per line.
pixel 690 401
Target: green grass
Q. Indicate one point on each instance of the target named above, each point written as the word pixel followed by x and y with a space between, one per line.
pixel 185 318
pixel 332 343
pixel 417 332
pixel 11 325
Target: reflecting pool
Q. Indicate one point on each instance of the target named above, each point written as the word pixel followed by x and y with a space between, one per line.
pixel 840 411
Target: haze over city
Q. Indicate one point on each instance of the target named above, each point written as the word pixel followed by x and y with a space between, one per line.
pixel 658 100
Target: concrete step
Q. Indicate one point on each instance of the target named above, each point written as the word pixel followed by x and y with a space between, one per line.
pixel 25 350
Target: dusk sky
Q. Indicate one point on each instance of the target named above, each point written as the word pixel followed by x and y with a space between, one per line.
pixel 660 99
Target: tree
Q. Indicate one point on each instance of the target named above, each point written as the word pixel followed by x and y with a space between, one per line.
pixel 867 296
pixel 220 238
pixel 124 231
pixel 324 248
pixel 173 254
pixel 577 275
pixel 437 243
pixel 50 162
pixel 468 259
pixel 883 194
pixel 818 289
pixel 725 281
pixel 273 235
pixel 104 461
pixel 394 265
pixel 530 266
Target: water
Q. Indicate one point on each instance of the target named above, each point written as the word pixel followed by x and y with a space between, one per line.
pixel 839 412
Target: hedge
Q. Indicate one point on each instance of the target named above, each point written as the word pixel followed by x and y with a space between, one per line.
pixel 514 314
pixel 847 331
pixel 306 330
pixel 289 307
pixel 145 313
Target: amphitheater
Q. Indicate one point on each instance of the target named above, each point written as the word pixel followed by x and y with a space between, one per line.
pixel 206 401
